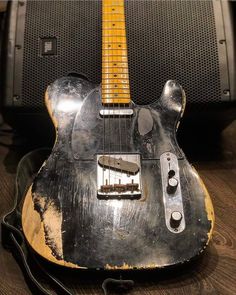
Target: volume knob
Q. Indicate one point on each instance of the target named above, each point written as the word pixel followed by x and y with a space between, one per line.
pixel 172 185
pixel 175 219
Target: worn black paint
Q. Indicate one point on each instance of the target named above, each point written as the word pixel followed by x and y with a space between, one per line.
pixel 98 232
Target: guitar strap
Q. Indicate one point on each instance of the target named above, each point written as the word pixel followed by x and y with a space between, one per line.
pixel 33 268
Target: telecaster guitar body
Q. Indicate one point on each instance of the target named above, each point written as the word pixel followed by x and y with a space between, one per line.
pixel 117 191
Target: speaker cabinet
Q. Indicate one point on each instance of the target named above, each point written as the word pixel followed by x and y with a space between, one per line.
pixel 190 41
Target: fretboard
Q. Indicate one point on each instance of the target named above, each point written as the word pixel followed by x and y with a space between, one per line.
pixel 115 74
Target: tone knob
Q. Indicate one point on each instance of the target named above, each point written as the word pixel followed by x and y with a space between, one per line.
pixel 172 185
pixel 175 219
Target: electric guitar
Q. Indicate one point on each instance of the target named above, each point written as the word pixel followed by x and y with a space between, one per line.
pixel 116 192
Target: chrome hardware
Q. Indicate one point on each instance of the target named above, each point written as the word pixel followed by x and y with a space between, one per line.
pixel 172 185
pixel 172 194
pixel 175 219
pixel 116 112
pixel 114 183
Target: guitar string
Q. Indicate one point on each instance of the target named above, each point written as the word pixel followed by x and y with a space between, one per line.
pixel 125 118
pixel 113 54
pixel 109 104
pixel 104 117
pixel 119 107
pixel 122 89
pixel 113 39
pixel 129 120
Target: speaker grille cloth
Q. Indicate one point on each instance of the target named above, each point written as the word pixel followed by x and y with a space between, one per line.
pixel 166 40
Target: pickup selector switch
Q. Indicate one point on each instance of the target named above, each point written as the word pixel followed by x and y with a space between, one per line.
pixel 172 185
pixel 175 219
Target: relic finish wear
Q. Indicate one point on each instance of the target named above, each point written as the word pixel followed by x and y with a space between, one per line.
pixel 79 229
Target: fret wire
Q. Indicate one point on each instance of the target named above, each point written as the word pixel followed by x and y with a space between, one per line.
pixel 116 97
pixel 114 43
pixel 112 73
pixel 113 13
pixel 114 49
pixel 114 78
pixel 115 81
pixel 115 67
pixel 111 82
pixel 116 94
pixel 107 19
pixel 113 21
pixel 113 29
pixel 109 48
pixel 115 88
pixel 114 36
pixel 114 6
pixel 114 55
pixel 110 60
pixel 115 74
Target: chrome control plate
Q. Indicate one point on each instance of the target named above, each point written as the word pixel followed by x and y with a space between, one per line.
pixel 172 198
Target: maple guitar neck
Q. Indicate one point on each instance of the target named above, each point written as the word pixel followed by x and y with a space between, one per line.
pixel 115 73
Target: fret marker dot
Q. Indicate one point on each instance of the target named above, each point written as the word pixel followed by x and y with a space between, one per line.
pixel 115 85
pixel 119 45
pixel 113 25
pixel 115 75
pixel 114 64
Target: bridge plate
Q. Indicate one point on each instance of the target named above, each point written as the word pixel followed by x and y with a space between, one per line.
pixel 119 176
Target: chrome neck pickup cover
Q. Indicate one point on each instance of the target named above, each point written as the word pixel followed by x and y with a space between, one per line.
pixel 107 112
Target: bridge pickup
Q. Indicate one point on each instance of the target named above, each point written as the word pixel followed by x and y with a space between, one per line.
pixel 118 164
pixel 118 176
